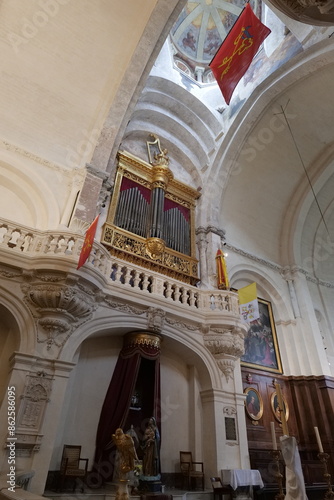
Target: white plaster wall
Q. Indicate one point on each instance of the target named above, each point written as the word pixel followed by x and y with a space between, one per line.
pixel 61 68
pixel 85 395
pixel 176 420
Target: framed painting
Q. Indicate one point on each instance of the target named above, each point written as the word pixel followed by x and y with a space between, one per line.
pixel 253 403
pixel 261 347
pixel 276 409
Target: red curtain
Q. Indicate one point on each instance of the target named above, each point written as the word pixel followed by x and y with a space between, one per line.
pixel 116 405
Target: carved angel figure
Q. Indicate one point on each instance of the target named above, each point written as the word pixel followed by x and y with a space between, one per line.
pixel 126 456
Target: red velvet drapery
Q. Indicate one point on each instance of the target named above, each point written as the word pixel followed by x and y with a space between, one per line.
pixel 117 402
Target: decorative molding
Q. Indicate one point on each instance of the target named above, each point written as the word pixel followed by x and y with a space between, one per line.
pixel 38 159
pixel 155 319
pixel 78 225
pixel 250 256
pixel 36 395
pixel 186 326
pixel 211 229
pixel 226 346
pixel 289 322
pixel 7 272
pixel 120 306
pixel 57 309
pixel 313 279
pixel 284 271
pixel 229 410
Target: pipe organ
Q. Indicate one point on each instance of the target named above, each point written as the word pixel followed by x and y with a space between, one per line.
pixel 151 217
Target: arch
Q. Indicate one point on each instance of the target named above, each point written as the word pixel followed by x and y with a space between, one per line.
pixel 9 342
pixel 26 329
pixel 230 159
pixel 123 323
pixel 267 288
pixel 25 196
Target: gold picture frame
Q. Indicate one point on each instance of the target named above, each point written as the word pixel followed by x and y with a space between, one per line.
pixel 261 346
pixel 253 403
pixel 275 407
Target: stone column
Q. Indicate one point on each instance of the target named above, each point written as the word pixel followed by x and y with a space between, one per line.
pixel 224 432
pixel 39 386
pixel 307 351
pixel 202 244
pixel 209 239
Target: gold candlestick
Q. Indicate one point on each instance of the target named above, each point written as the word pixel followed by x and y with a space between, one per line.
pixel 323 457
pixel 279 476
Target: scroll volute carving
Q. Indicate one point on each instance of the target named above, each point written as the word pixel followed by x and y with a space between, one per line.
pixel 58 309
pixel 227 346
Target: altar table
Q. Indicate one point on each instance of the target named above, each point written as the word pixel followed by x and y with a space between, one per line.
pixel 242 480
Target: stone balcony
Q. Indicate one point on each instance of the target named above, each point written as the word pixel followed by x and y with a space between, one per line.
pixel 213 313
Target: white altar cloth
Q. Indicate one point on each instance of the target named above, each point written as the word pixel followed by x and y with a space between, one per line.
pixel 242 477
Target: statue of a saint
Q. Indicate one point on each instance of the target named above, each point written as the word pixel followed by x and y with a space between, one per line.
pixel 125 461
pixel 151 449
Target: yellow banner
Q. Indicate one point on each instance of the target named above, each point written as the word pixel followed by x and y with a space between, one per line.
pixel 247 294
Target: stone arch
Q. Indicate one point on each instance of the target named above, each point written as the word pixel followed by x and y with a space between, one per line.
pixel 95 352
pixel 294 231
pixel 9 342
pixel 20 320
pixel 25 197
pixel 191 342
pixel 267 287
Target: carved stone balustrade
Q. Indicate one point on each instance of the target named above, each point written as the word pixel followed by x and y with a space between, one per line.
pixel 61 297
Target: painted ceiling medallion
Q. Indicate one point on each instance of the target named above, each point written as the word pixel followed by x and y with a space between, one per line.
pixel 203 25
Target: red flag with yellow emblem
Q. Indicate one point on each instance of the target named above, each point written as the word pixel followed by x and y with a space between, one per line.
pixel 88 242
pixel 237 51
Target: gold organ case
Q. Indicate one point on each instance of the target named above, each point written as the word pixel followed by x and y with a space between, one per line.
pixel 151 218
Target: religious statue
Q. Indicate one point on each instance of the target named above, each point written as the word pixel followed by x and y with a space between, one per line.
pixel 126 453
pixel 161 158
pixel 151 449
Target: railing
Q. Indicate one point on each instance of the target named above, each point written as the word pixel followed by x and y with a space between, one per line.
pixel 24 240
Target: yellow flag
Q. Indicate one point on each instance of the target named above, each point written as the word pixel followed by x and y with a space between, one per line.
pixel 248 304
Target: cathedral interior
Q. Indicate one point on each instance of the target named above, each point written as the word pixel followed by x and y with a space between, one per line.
pixel 110 113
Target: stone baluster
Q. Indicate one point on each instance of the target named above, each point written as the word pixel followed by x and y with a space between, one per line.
pixel 7 236
pixel 145 282
pixel 184 296
pixel 136 278
pixel 192 298
pixel 168 290
pixel 177 293
pixel 118 273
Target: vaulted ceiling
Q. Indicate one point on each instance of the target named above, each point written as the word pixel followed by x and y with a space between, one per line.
pixel 266 174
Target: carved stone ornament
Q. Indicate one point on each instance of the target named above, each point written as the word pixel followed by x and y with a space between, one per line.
pixel 155 247
pixel 226 346
pixel 314 12
pixel 35 397
pixel 58 309
pixel 155 319
pixel 229 410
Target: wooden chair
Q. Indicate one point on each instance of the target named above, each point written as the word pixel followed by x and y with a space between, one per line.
pixel 70 466
pixel 220 489
pixel 191 470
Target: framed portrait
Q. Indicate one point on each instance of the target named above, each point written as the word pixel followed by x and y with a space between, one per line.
pixel 253 403
pixel 276 409
pixel 261 347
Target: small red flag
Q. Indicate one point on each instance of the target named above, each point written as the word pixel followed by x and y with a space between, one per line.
pixel 237 51
pixel 88 242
